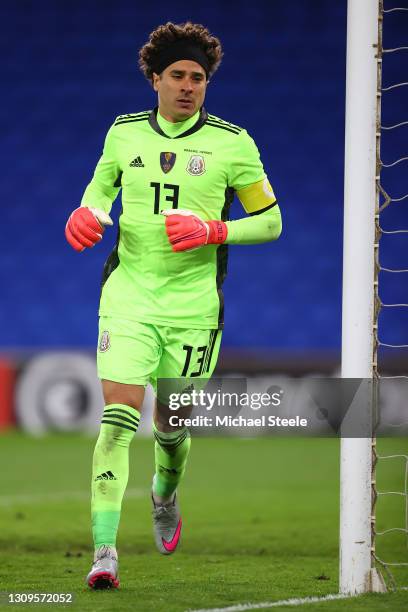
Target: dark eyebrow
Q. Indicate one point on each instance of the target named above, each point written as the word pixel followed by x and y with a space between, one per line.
pixel 200 74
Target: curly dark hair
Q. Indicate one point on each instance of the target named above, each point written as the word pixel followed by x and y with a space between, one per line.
pixel 171 32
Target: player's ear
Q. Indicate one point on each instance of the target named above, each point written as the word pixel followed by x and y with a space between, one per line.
pixel 155 80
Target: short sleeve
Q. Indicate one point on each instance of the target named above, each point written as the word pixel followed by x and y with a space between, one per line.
pixel 246 167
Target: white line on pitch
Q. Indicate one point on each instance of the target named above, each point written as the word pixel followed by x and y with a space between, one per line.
pixel 38 498
pixel 295 601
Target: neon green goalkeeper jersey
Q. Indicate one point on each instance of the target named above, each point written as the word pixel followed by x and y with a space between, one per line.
pixel 196 165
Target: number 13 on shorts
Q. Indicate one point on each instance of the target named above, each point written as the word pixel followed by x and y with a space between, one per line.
pixel 200 359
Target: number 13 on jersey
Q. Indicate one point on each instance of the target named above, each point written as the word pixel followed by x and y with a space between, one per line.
pixel 172 195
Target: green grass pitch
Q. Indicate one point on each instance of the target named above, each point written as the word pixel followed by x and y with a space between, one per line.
pixel 260 525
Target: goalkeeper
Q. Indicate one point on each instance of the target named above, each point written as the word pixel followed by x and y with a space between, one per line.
pixel 161 308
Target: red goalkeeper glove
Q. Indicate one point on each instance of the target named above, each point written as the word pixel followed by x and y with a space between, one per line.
pixel 85 227
pixel 186 231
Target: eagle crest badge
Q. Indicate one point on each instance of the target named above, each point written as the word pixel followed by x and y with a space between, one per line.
pixel 104 343
pixel 196 165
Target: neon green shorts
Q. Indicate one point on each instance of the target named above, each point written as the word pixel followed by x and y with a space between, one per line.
pixel 138 353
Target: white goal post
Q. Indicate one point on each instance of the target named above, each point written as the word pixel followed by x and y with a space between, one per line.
pixel 357 570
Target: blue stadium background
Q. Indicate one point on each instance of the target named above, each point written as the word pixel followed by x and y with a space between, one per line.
pixel 69 67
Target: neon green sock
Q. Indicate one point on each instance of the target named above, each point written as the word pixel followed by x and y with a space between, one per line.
pixel 110 470
pixel 171 452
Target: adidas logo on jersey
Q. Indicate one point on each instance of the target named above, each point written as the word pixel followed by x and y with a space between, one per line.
pixel 106 476
pixel 137 163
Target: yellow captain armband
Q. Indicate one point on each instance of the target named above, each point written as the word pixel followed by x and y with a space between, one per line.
pixel 257 197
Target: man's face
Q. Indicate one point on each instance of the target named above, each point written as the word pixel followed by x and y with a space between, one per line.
pixel 181 90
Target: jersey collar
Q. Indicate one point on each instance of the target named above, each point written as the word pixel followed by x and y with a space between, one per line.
pixel 202 118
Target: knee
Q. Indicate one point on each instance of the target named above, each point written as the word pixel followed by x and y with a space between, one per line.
pixel 162 414
pixel 119 393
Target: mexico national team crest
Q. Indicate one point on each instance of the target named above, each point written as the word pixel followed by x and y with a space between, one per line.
pixel 196 165
pixel 104 342
pixel 167 161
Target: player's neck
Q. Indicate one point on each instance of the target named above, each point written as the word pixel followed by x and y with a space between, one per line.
pixel 173 127
pixel 170 118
